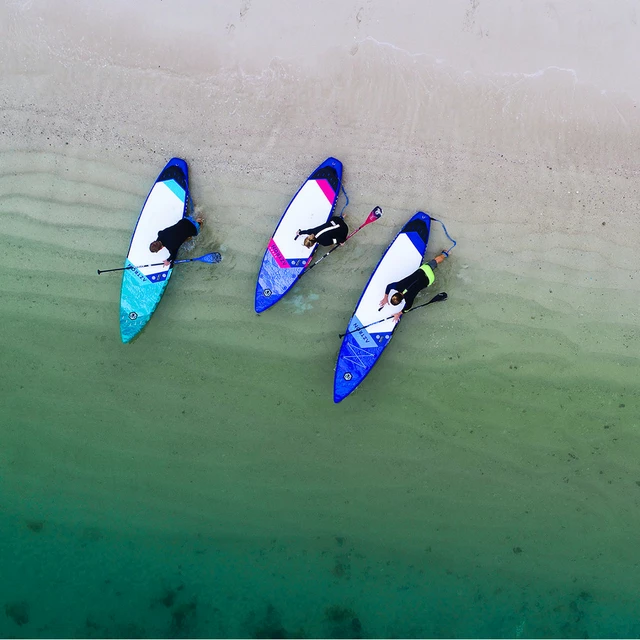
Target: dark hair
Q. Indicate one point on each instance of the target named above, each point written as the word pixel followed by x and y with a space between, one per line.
pixel 398 297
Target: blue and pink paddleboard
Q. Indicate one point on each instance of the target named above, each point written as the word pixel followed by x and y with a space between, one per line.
pixel 361 346
pixel 286 257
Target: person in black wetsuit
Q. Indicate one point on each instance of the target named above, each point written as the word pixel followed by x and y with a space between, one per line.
pixel 335 231
pixel 173 237
pixel 408 288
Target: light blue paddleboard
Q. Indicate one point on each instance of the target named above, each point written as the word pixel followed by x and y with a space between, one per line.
pixel 142 288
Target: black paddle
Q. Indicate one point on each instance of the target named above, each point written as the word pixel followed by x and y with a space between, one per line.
pixel 437 298
pixel 210 258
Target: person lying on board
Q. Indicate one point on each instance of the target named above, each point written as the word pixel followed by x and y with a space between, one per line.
pixel 335 231
pixel 173 237
pixel 408 288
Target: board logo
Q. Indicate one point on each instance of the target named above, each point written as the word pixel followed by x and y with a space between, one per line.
pixel 133 315
pixel 267 292
pixel 347 376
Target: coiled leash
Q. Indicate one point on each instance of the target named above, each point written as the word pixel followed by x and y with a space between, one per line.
pixel 347 202
pixel 446 233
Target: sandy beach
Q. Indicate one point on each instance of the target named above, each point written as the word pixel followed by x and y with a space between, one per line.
pixel 200 482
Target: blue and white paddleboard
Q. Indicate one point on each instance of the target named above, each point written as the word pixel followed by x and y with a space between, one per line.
pixel 142 288
pixel 361 349
pixel 286 258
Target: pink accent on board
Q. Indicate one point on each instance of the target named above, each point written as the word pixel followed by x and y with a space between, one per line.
pixel 327 189
pixel 277 255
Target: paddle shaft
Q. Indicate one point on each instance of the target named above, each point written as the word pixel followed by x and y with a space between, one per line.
pixel 323 257
pixel 155 264
pixel 353 233
pixel 437 298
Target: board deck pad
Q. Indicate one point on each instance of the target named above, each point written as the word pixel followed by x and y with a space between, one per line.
pixel 142 288
pixel 286 258
pixel 360 350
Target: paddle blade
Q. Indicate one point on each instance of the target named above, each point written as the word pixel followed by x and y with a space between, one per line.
pixel 439 297
pixel 211 258
pixel 373 216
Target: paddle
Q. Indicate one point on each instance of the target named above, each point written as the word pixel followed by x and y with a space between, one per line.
pixel 376 213
pixel 210 258
pixel 437 298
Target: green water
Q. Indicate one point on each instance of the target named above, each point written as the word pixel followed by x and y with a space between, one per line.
pixel 90 582
pixel 482 482
pixel 200 482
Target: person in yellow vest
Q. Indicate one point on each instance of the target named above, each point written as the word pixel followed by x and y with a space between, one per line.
pixel 408 288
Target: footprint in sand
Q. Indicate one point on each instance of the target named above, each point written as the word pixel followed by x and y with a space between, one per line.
pixel 470 15
pixel 246 5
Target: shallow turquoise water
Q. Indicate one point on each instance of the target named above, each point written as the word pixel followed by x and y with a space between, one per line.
pixel 200 482
pixel 61 581
pixel 223 501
